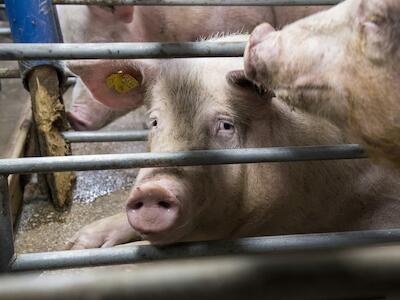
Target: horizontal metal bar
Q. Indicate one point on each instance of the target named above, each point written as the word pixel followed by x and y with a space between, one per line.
pixel 70 81
pixel 258 245
pixel 15 73
pixel 105 136
pixel 168 159
pixel 199 2
pixel 368 273
pixel 9 73
pixel 120 50
pixel 5 31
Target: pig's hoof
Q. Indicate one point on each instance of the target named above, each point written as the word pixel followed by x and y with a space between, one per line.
pixel 85 239
pixel 103 233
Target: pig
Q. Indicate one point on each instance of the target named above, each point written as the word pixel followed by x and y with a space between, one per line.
pixel 93 24
pixel 345 67
pixel 153 24
pixel 207 103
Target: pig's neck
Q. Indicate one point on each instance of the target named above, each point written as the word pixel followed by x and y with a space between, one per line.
pixel 375 116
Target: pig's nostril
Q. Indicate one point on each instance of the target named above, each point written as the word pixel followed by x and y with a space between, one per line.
pixel 164 204
pixel 137 205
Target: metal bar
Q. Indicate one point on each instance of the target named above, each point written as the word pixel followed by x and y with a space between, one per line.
pixel 5 31
pixel 15 73
pixel 105 136
pixel 198 2
pixel 168 159
pixel 120 50
pixel 70 81
pixel 9 73
pixel 258 245
pixel 368 273
pixel 6 230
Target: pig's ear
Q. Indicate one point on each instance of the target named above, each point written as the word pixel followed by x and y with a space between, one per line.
pixel 119 84
pixel 376 30
pixel 122 13
pixel 239 82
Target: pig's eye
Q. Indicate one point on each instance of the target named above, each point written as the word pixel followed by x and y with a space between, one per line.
pixel 225 127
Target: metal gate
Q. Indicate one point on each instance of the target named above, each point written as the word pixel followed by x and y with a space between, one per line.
pixel 294 258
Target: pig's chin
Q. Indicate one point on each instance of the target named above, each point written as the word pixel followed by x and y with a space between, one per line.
pixel 174 233
pixel 161 239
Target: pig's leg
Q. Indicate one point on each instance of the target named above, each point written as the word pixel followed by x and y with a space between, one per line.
pixel 104 233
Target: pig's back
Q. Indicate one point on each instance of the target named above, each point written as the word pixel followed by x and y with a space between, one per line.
pixel 79 25
pixel 189 23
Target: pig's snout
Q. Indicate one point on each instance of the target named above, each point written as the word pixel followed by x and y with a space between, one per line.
pixel 259 50
pixel 152 209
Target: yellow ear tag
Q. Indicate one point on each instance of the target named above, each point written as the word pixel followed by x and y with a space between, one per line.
pixel 122 82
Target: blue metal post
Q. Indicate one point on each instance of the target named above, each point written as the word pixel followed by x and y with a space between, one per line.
pixel 34 21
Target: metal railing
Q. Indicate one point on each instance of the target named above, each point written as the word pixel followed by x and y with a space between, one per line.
pixel 256 245
pixel 120 50
pixel 262 274
pixel 12 73
pixel 5 31
pixel 198 2
pixel 106 136
pixel 171 159
pixel 364 273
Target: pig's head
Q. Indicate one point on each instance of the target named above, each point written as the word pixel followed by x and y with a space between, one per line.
pixel 339 63
pixel 192 104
